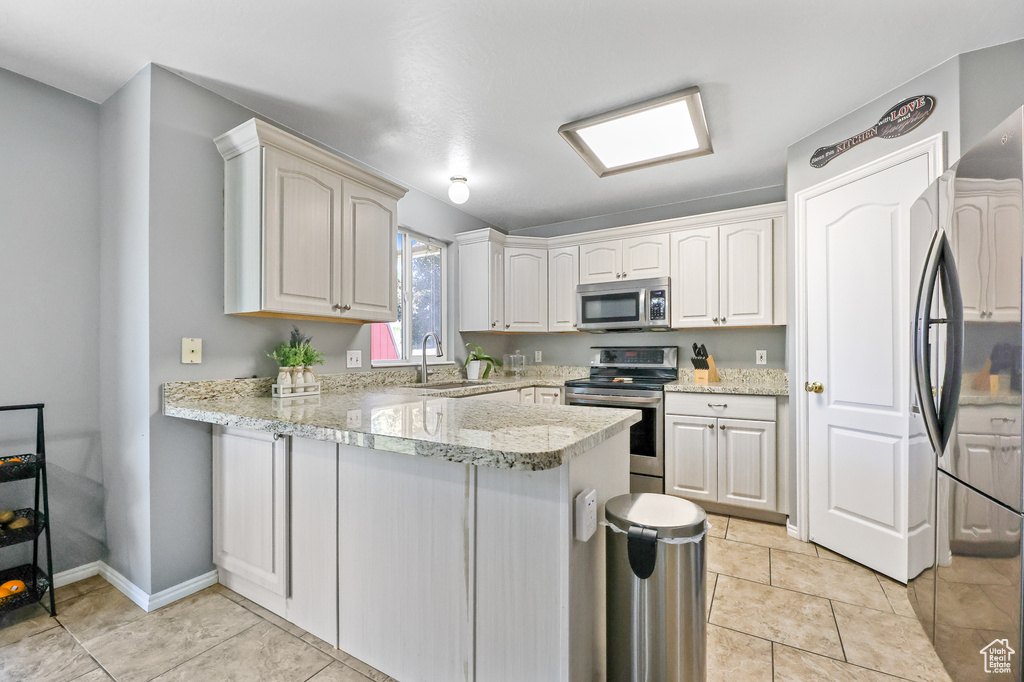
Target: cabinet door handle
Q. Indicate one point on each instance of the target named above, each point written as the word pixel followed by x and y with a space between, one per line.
pixel 711 426
pixel 277 436
pixel 507 326
pixel 723 320
pixel 337 306
pixel 494 324
pixel 715 320
pixel 722 427
pixel 573 324
pixel 618 275
pixel 718 404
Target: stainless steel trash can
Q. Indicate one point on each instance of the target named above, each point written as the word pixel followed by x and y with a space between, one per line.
pixel 657 630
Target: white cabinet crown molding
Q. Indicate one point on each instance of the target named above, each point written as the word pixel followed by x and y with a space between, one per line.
pixel 254 133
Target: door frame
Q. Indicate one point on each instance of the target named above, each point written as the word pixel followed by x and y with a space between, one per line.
pixel 934 149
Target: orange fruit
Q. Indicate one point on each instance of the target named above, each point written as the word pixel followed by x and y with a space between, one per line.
pixel 12 460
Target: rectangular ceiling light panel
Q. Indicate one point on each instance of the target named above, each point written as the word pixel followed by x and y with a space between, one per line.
pixel 661 130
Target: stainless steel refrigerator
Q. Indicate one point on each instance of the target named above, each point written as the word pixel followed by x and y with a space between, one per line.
pixel 966 237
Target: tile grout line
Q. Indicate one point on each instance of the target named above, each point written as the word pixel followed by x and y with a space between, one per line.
pixel 840 634
pixel 807 594
pixel 880 585
pixel 178 665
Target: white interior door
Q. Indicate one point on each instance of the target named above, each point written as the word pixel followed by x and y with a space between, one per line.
pixel 859 293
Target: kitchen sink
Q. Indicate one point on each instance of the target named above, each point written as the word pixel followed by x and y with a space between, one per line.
pixel 450 384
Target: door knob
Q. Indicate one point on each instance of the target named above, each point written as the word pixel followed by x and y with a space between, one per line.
pixel 816 387
pixel 715 320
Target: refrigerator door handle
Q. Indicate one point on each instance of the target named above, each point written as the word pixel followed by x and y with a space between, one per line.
pixel 952 301
pixel 920 349
pixel 939 267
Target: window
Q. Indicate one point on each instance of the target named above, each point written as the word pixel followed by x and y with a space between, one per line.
pixel 421 266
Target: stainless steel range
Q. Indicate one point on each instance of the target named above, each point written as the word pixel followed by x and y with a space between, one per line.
pixel 633 377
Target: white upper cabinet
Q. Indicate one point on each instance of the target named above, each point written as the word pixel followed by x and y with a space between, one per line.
pixel 563 276
pixel 986 235
pixel 645 257
pixel 526 289
pixel 601 262
pixel 618 259
pixel 305 233
pixel 481 286
pixel 723 276
pixel 694 256
pixel 745 274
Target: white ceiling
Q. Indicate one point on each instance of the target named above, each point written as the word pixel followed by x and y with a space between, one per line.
pixel 427 89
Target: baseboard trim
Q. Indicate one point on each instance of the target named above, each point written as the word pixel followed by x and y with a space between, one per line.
pixel 146 601
pixel 75 574
pixel 792 530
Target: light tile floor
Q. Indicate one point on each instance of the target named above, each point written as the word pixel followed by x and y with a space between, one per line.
pixel 778 610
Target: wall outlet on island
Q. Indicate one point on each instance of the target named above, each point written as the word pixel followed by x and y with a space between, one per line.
pixel 354 359
pixel 537 356
pixel 761 357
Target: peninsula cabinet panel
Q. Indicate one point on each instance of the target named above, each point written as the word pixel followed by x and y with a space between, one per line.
pixel 695 277
pixel 745 252
pixel 405 563
pixel 563 276
pixel 250 507
pixel 306 234
pixel 526 289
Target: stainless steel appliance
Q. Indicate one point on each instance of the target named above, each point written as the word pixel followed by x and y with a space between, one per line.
pixel 633 377
pixel 966 240
pixel 636 305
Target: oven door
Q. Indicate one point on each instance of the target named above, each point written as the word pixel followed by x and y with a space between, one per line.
pixel 646 437
pixel 604 308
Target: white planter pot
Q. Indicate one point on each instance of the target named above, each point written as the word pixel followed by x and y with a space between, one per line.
pixel 473 369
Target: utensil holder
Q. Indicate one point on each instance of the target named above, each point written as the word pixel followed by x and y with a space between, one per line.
pixel 703 377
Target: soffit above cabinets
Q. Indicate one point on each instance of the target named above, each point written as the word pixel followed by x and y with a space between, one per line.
pixel 425 90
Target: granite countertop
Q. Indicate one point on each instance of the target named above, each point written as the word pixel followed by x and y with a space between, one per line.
pixel 736 382
pixel 420 421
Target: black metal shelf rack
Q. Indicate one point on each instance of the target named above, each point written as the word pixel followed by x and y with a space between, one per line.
pixel 20 467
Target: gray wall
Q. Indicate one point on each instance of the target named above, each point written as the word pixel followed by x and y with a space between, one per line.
pixel 49 276
pixel 991 88
pixel 186 294
pixel 124 326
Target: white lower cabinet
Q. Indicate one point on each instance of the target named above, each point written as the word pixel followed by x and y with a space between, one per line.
pixel 527 395
pixel 548 396
pixel 726 459
pixel 275 524
pixel 512 396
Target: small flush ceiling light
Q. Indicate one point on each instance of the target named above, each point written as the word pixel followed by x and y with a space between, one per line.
pixel 459 190
pixel 660 130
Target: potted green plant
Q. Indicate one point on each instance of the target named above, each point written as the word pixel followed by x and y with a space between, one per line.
pixel 295 359
pixel 478 360
pixel 287 357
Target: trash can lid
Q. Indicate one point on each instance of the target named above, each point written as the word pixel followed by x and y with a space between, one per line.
pixel 673 517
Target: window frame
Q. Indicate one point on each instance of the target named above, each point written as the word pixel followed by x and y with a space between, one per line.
pixel 408 343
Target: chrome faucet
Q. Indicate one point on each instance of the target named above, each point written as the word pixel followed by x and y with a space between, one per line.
pixel 424 372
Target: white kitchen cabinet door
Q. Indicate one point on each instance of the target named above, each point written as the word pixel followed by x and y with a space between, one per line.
pixel 745 280
pixel 527 395
pixel 512 396
pixel 563 276
pixel 496 277
pixel 691 457
pixel 967 237
pixel 250 507
pixel 548 396
pixel 694 273
pixel 1004 232
pixel 369 282
pixel 746 463
pixel 645 257
pixel 526 289
pixel 302 235
pixel 601 262
pixel 974 518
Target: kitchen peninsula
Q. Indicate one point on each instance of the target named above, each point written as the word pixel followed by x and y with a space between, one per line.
pixel 431 537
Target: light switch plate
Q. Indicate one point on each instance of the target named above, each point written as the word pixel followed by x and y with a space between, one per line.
pixel 354 359
pixel 191 351
pixel 537 355
pixel 586 515
pixel 761 357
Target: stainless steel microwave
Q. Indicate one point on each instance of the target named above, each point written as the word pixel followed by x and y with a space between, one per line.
pixel 638 305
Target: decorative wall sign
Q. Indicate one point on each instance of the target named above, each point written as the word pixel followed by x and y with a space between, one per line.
pixel 899 120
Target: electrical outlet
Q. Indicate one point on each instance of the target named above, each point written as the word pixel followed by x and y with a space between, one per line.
pixel 761 357
pixel 354 359
pixel 191 351
pixel 537 355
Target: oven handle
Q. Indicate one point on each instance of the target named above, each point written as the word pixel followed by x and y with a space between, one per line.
pixel 605 400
